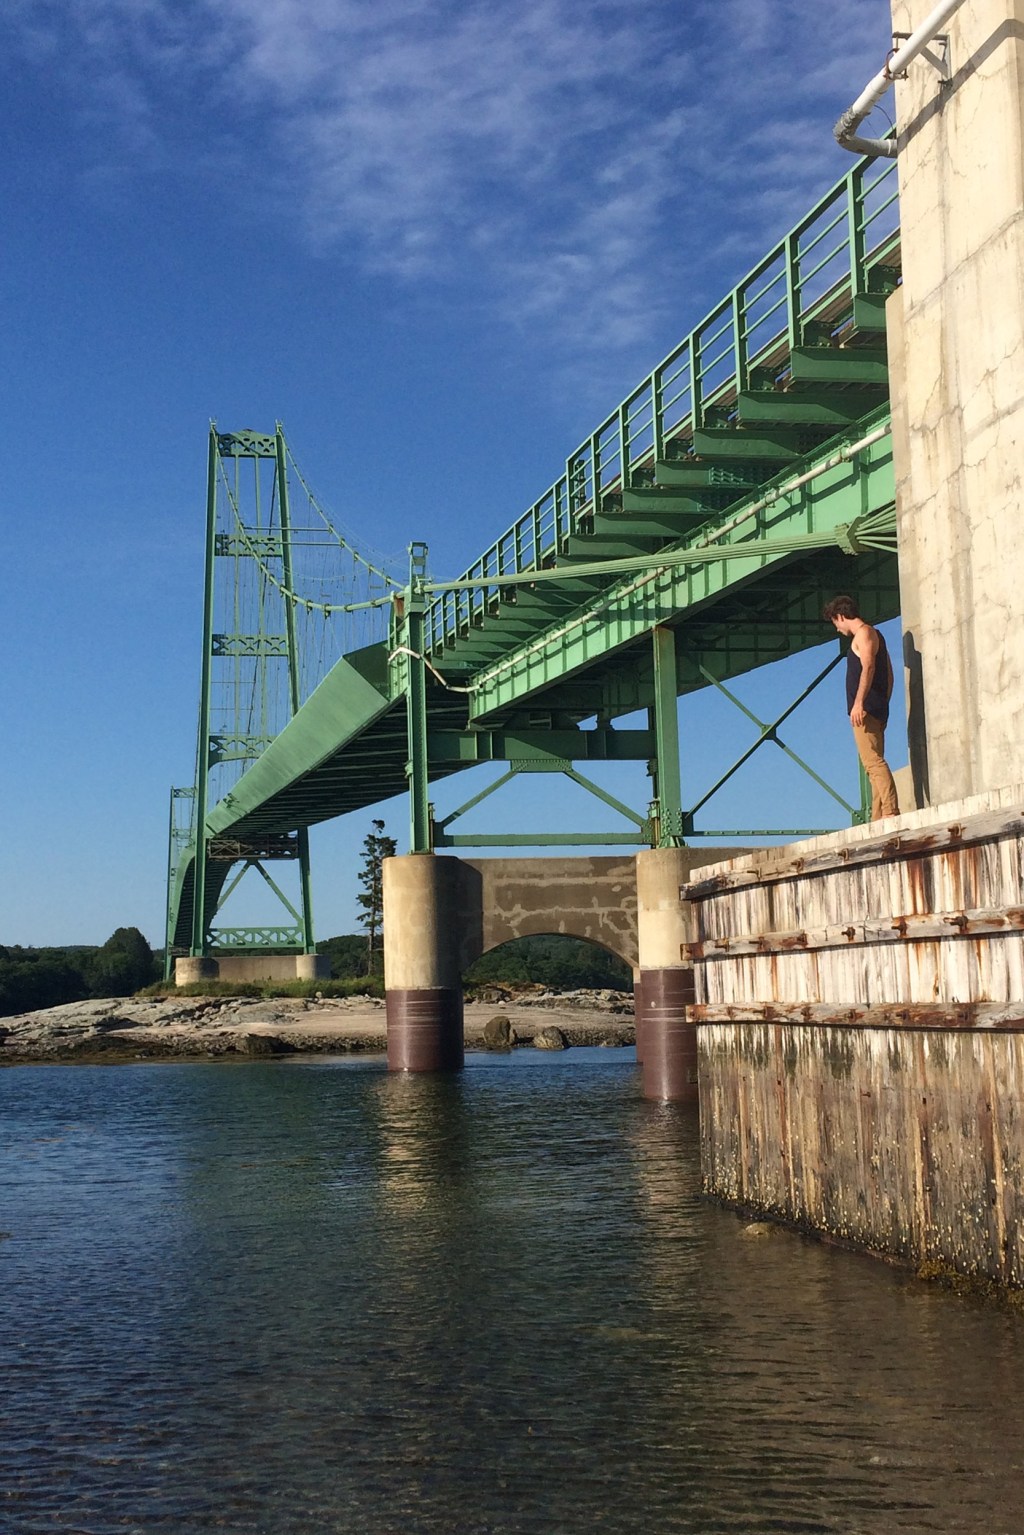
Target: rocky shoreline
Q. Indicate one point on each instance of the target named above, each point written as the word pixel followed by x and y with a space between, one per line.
pixel 117 1031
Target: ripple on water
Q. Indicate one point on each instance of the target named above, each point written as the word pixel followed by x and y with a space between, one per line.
pixel 300 1297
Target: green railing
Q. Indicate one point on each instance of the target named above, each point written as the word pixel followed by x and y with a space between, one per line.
pixel 805 284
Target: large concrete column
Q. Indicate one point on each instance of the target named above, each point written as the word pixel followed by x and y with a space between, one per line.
pixel 956 352
pixel 422 975
pixel 666 1039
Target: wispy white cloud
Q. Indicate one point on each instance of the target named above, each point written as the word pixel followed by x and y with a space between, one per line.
pixel 586 169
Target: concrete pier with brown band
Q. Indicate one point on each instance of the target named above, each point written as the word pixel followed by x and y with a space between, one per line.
pixel 666 1034
pixel 423 900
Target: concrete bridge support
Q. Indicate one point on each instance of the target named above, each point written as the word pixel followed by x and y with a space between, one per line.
pixel 192 968
pixel 666 1038
pixel 422 963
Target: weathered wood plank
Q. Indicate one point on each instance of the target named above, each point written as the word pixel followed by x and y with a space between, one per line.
pixel 971 830
pixel 887 1015
pixel 914 926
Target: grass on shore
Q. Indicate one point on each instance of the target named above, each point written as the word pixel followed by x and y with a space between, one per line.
pixel 355 986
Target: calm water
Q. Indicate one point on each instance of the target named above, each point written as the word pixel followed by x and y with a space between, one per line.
pixel 300 1297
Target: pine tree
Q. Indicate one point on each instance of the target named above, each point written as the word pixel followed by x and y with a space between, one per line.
pixel 122 965
pixel 376 848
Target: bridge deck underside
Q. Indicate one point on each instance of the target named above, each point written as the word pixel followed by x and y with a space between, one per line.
pixel 756 621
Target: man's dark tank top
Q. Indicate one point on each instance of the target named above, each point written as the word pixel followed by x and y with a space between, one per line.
pixel 876 701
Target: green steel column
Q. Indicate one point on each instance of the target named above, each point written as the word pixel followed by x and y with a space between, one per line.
pixel 669 786
pixel 791 259
pixel 199 940
pixel 855 227
pixel 416 705
pixel 168 934
pixel 284 513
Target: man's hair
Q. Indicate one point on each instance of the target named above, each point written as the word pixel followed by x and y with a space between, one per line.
pixel 840 607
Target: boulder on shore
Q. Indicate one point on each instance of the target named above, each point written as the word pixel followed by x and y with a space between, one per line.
pixel 266 1044
pixel 499 1034
pixel 550 1038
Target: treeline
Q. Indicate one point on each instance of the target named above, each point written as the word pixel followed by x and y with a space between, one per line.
pixel 560 963
pixel 34 978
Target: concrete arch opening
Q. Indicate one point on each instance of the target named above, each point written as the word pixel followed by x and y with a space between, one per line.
pixel 552 960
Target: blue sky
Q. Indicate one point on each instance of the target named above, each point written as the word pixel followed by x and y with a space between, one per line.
pixel 439 242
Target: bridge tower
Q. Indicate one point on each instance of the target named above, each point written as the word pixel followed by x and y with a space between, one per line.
pixel 249 689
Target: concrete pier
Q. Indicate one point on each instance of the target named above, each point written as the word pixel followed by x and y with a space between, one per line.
pixel 422 962
pixel 666 1036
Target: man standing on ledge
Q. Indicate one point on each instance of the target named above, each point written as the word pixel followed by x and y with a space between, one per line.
pixel 868 690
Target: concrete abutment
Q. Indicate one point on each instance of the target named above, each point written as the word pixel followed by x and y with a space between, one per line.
pixel 189 969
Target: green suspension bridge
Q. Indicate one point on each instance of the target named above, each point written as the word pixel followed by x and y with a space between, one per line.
pixel 693 536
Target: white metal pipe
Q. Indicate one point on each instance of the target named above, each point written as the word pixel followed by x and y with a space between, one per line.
pixel 846 128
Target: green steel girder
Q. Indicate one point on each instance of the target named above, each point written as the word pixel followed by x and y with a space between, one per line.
pixel 839 365
pixel 246 444
pixel 751 626
pixel 818 407
pixel 869 312
pixel 250 645
pixel 761 443
pixel 541 839
pixel 582 548
pixel 284 846
pixel 692 476
pixel 468 747
pixel 251 543
pixel 273 939
pixel 686 505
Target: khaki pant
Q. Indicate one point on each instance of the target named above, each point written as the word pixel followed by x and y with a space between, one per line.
pixel 870 739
